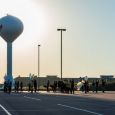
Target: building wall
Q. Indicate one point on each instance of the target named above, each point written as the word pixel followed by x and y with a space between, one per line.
pixel 42 81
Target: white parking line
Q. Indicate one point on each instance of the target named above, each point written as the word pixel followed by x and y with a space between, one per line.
pixel 5 110
pixel 80 109
pixel 32 98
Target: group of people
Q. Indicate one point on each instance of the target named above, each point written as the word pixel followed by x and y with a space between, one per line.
pixel 32 86
pixel 18 86
pixel 64 86
pixel 7 86
pixel 94 86
pixel 53 86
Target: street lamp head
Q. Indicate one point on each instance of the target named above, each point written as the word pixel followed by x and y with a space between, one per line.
pixel 64 29
pixel 61 29
pixel 39 45
pixel 58 29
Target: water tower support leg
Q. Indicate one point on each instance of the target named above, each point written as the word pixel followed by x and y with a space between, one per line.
pixel 9 61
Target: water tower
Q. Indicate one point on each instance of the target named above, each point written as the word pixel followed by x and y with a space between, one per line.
pixel 10 28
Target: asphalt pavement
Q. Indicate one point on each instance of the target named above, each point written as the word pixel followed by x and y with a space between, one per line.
pixel 48 104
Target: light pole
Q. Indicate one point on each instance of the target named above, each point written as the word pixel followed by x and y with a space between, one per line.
pixel 39 60
pixel 61 48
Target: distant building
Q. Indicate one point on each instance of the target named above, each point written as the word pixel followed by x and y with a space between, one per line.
pixel 107 77
pixel 51 76
pixel 42 81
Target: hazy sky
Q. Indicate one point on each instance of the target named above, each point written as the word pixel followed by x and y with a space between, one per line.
pixel 88 43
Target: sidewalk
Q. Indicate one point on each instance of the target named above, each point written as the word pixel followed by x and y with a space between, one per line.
pixel 108 95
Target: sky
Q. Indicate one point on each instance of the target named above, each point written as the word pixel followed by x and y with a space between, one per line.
pixel 88 43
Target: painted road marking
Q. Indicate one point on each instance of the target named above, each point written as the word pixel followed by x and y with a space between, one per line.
pixel 5 110
pixel 80 109
pixel 32 98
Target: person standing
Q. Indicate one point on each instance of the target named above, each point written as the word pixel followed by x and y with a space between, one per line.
pixel 5 86
pixel 97 85
pixel 9 86
pixel 55 86
pixel 29 87
pixel 35 85
pixel 48 84
pixel 32 85
pixel 93 86
pixel 72 87
pixel 103 85
pixel 85 86
pixel 21 86
pixel 17 86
